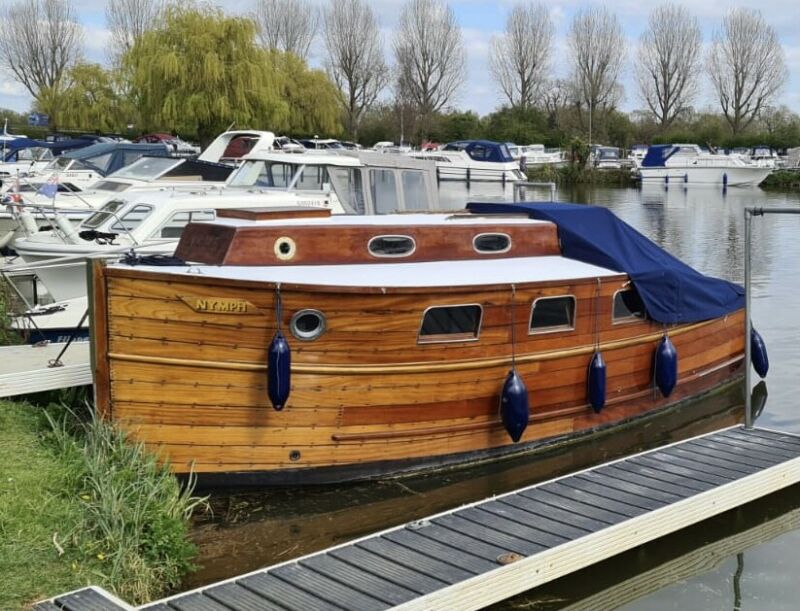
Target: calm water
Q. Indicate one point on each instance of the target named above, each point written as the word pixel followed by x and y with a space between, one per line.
pixel 745 559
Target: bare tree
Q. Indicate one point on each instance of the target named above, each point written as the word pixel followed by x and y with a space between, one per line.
pixel 355 57
pixel 287 25
pixel 127 20
pixel 429 54
pixel 747 66
pixel 598 48
pixel 668 62
pixel 39 41
pixel 519 59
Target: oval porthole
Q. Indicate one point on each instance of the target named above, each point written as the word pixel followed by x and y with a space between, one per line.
pixel 489 243
pixel 285 248
pixel 391 246
pixel 307 325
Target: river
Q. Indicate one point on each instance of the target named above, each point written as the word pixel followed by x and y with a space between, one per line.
pixel 744 559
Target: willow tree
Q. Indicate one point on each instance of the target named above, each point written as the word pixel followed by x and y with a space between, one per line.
pixel 93 100
pixel 200 71
pixel 312 98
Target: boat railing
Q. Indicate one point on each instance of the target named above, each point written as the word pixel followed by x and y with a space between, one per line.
pixel 521 186
pixel 470 174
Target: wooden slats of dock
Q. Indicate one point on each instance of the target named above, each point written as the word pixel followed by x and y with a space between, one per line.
pixel 479 554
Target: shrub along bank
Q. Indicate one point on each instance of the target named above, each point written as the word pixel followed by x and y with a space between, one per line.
pixel 81 505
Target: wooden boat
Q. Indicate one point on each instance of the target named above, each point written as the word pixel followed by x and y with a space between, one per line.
pixel 402 330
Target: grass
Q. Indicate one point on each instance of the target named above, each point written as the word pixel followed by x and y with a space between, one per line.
pixel 79 504
pixel 573 175
pixel 782 180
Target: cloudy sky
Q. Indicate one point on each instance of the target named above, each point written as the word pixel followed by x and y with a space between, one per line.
pixel 479 21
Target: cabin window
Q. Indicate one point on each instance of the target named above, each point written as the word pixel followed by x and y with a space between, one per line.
pixel 347 185
pixel 414 192
pixel 391 246
pixel 307 325
pixel 174 227
pixel 132 218
pixel 628 306
pixel 489 243
pixel 384 191
pixel 550 314
pixel 450 323
pixel 105 213
pixel 313 178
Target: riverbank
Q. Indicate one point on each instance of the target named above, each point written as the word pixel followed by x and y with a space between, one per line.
pixel 79 505
pixel 782 180
pixel 574 175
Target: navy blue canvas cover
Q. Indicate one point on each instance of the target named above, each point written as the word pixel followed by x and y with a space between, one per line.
pixel 672 291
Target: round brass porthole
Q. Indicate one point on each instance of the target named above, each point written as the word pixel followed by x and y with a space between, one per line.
pixel 307 325
pixel 294 455
pixel 285 248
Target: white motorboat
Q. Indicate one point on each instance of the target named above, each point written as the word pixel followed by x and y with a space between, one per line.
pixel 537 155
pixel 474 160
pixel 688 164
pixel 151 221
pixel 23 156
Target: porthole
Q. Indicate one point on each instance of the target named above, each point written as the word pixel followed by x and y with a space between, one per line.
pixel 491 243
pixel 307 325
pixel 391 246
pixel 285 248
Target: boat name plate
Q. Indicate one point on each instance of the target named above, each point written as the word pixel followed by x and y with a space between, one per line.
pixel 220 305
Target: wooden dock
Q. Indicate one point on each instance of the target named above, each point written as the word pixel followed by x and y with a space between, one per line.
pixel 479 554
pixel 26 369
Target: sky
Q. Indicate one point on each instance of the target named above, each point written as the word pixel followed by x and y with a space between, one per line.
pixel 480 21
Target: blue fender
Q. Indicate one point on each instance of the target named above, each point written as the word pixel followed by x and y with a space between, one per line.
pixel 279 373
pixel 666 366
pixel 758 353
pixel 597 382
pixel 514 408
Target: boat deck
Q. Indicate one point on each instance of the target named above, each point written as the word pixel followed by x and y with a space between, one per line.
pixel 482 553
pixel 26 369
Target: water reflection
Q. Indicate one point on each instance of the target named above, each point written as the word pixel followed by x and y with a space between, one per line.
pixel 703 227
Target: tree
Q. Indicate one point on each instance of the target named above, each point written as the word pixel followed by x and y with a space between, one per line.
pixel 201 70
pixel 667 66
pixel 430 57
pixel 39 41
pixel 127 20
pixel 355 57
pixel 286 25
pixel 519 58
pixel 598 48
pixel 92 100
pixel 747 66
pixel 311 97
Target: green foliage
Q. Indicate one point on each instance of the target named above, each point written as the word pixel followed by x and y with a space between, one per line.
pixel 312 98
pixel 456 126
pixel 783 180
pixel 522 126
pixel 134 513
pixel 201 71
pixel 7 335
pixel 93 100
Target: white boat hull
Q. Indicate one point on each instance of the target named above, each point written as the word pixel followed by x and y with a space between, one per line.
pixel 730 176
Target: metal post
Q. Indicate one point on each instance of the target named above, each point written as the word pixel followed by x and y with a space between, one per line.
pixel 748 407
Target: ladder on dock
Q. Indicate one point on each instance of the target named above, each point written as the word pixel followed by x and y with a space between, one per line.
pixel 479 554
pixel 27 369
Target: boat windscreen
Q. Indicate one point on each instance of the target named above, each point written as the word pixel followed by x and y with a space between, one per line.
pixel 258 173
pixel 147 168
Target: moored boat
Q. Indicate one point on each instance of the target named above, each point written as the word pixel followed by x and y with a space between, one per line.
pixel 687 163
pixel 474 160
pixel 305 348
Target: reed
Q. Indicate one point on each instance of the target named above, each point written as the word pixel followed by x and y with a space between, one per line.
pixel 135 513
pixel 7 335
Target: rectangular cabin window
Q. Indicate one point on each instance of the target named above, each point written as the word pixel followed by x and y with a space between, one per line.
pixel 628 306
pixel 384 191
pixel 416 196
pixel 347 185
pixel 450 324
pixel 175 225
pixel 549 314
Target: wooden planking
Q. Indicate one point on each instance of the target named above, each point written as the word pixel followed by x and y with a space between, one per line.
pixel 452 560
pixel 255 245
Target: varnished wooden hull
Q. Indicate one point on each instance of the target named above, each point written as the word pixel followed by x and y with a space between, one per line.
pixel 366 399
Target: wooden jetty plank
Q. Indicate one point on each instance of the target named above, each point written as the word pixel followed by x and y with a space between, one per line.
pixel 26 371
pixel 474 556
pixel 89 599
pixel 196 602
pixel 238 598
pixel 285 594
